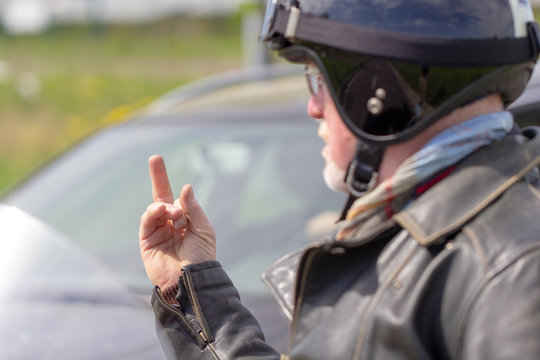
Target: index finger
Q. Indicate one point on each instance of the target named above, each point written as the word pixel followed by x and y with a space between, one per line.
pixel 161 188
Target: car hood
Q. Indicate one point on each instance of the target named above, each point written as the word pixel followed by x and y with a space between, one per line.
pixel 58 302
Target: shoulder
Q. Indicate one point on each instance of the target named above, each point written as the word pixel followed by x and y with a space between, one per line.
pixel 509 229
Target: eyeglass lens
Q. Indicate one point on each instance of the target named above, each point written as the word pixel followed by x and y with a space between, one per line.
pixel 313 77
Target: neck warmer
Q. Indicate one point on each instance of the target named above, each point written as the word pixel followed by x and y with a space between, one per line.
pixel 442 151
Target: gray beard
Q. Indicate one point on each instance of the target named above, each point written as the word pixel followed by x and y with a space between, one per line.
pixel 334 177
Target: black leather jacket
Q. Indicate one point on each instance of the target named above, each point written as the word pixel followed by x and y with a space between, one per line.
pixel 456 275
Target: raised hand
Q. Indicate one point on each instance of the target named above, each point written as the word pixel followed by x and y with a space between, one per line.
pixel 173 233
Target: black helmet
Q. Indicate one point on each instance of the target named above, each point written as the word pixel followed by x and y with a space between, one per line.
pixel 394 67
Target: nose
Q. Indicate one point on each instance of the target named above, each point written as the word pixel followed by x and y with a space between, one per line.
pixel 315 107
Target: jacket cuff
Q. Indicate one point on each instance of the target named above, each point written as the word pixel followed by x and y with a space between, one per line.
pixel 210 319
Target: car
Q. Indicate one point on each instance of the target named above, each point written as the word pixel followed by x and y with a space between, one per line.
pixel 59 302
pixel 75 283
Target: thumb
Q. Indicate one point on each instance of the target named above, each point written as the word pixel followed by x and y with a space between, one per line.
pixel 193 209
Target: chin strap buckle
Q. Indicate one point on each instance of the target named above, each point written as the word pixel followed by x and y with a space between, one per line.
pixel 356 188
pixel 363 172
pixel 361 178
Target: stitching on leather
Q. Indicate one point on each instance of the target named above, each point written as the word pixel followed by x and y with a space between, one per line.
pixel 490 235
pixel 401 255
pixel 408 223
pixel 476 244
pixel 496 271
pixel 534 191
pixel 374 302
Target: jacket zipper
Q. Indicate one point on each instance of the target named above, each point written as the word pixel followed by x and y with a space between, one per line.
pixel 194 325
pixel 188 286
pixel 177 312
pixel 202 328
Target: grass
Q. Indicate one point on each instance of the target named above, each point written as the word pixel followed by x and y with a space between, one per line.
pixel 57 87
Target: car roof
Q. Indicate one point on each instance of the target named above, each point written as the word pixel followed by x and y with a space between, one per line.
pixel 262 94
pixel 273 92
pixel 252 86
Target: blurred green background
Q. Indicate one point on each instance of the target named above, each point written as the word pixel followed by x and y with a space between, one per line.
pixel 61 85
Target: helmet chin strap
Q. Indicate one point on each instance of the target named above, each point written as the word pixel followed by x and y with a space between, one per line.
pixel 362 173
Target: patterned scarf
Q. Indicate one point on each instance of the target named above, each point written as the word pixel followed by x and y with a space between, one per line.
pixel 445 149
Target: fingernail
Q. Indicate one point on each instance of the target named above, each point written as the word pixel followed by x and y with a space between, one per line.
pixel 190 196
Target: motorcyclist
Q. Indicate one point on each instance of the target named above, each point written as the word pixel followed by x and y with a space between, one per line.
pixel 438 253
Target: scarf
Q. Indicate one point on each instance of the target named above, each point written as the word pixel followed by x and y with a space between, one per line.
pixel 442 151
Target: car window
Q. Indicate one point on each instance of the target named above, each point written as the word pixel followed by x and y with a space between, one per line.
pixel 259 184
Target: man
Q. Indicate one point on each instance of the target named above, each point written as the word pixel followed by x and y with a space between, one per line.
pixel 438 253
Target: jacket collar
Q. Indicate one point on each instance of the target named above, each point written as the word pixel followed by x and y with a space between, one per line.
pixel 475 184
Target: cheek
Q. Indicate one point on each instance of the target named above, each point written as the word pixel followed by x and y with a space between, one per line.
pixel 341 141
pixel 342 146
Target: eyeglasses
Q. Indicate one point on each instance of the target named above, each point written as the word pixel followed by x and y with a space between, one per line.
pixel 314 79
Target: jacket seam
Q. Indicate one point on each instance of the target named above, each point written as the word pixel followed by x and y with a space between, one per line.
pixel 400 257
pixel 478 248
pixel 534 190
pixel 489 277
pixel 359 348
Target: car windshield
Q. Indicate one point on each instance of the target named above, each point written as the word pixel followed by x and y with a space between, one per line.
pixel 56 300
pixel 39 260
pixel 260 184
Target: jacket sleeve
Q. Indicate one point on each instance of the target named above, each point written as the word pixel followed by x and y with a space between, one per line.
pixel 210 322
pixel 504 320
